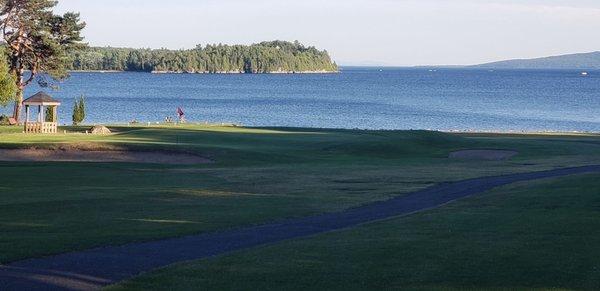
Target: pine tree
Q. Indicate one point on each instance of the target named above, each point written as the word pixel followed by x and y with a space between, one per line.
pixel 79 110
pixel 49 114
pixel 38 42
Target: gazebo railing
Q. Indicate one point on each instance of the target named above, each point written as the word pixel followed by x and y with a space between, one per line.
pixel 41 127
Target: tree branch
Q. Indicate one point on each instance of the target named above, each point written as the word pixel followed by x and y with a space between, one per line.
pixel 34 72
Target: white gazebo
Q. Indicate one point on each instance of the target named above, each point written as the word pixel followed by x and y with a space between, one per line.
pixel 41 100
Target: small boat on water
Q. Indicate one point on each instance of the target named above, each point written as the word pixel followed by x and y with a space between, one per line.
pixel 584 73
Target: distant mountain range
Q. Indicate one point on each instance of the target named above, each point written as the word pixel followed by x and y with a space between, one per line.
pixel 583 61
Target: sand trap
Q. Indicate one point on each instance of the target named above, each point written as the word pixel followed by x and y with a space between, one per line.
pixel 489 155
pixel 79 155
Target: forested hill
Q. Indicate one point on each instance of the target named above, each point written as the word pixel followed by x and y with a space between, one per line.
pixel 584 61
pixel 265 57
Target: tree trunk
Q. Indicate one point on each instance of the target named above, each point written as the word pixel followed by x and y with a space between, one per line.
pixel 18 73
pixel 18 106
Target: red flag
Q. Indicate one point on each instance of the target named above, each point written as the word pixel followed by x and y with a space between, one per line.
pixel 180 112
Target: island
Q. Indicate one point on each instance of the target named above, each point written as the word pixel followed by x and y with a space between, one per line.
pixel 265 57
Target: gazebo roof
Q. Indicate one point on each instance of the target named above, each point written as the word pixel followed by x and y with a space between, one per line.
pixel 41 98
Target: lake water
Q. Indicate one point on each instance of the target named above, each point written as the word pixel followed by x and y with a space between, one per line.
pixel 373 98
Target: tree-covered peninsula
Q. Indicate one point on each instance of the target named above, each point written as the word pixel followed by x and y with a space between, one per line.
pixel 265 57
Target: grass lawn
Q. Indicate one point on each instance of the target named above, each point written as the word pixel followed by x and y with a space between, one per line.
pixel 258 175
pixel 526 236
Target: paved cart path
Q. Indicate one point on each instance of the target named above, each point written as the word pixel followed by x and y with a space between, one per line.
pixel 95 268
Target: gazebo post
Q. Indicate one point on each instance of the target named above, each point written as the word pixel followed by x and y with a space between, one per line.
pixel 26 113
pixel 26 127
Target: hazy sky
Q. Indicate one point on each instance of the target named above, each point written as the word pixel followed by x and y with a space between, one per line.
pixel 383 32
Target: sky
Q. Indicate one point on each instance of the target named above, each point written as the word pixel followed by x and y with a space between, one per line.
pixel 354 32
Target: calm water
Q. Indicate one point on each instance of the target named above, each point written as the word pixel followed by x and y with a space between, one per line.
pixel 446 99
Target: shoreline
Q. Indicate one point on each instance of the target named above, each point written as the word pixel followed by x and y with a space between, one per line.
pixel 211 73
pixel 242 72
pixel 95 71
pixel 232 124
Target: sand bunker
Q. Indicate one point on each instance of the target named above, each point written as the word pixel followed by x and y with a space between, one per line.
pixel 489 155
pixel 79 155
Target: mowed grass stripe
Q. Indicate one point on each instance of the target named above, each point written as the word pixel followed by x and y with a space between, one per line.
pixel 538 235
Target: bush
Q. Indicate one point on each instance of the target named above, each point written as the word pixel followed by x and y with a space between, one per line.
pixel 8 87
pixel 79 110
pixel 4 120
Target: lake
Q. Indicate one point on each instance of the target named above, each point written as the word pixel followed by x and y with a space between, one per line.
pixel 368 98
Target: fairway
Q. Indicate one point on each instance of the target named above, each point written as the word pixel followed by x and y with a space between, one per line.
pixel 257 175
pixel 540 235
